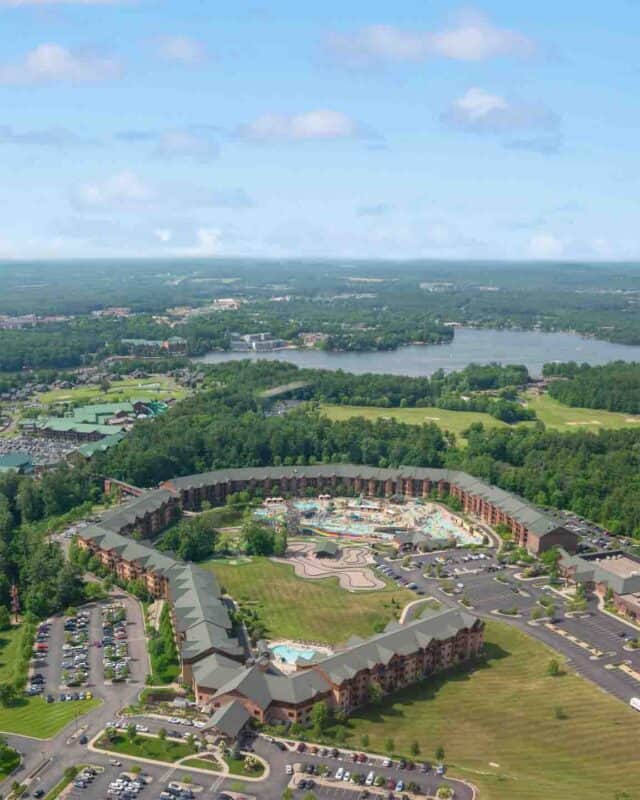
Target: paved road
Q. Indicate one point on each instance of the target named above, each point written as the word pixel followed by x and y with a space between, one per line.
pixel 487 593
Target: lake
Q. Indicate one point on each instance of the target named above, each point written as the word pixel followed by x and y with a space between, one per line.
pixel 469 345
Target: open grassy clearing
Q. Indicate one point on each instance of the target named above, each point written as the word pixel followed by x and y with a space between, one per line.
pixel 566 418
pixel 10 642
pixel 553 738
pixel 155 387
pixel 147 747
pixel 454 421
pixel 550 411
pixel 295 608
pixel 32 716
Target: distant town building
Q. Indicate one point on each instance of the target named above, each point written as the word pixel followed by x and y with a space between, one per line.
pixel 172 345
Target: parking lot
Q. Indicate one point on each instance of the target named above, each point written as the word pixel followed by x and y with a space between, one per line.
pixel 489 588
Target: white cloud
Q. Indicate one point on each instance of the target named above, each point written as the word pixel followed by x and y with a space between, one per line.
pixel 546 245
pixel 479 111
pixel 207 243
pixel 185 144
pixel 122 190
pixel 52 63
pixel 471 38
pixel 46 137
pixel 182 49
pixel 319 124
pixel 163 235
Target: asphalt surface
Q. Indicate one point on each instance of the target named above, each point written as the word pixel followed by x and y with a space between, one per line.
pixel 487 594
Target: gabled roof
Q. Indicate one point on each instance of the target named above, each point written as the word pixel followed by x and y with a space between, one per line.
pixel 516 507
pixel 229 720
pixel 128 514
pixel 398 639
pixel 250 682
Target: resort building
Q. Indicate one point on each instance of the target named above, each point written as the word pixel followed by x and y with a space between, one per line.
pixel 147 514
pixel 226 679
pixel 531 528
pixel 614 575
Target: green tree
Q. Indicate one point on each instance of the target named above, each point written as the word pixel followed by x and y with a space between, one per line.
pixel 439 753
pixel 553 668
pixel 320 716
pixel 162 734
pixel 389 745
pixel 415 748
pixel 5 618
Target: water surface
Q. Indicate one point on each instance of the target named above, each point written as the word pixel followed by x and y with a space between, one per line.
pixel 469 345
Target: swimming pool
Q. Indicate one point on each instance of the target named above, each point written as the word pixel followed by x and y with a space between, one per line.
pixel 290 653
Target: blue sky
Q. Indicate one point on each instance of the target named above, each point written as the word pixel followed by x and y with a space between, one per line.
pixel 349 129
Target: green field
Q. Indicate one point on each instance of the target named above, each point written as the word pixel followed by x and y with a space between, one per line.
pixel 295 608
pixel 454 421
pixel 550 411
pixel 10 642
pixel 565 418
pixel 155 387
pixel 553 738
pixel 32 716
pixel 148 747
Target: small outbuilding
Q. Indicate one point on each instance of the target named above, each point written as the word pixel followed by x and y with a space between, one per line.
pixel 328 549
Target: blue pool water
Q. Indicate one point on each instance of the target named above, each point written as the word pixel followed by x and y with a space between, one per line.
pixel 290 654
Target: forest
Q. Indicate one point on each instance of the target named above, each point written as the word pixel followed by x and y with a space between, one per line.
pixel 362 306
pixel 596 475
pixel 229 424
pixel 613 387
pixel 45 581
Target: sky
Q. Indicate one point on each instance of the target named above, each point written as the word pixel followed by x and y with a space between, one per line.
pixel 348 129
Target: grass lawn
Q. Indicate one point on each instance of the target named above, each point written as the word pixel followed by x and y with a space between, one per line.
pixel 296 608
pixel 202 763
pixel 237 767
pixel 550 411
pixel 148 747
pixel 454 421
pixel 10 642
pixel 31 716
pixel 155 387
pixel 506 713
pixel 556 415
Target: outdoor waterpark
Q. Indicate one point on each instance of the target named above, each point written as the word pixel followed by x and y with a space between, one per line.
pixel 369 520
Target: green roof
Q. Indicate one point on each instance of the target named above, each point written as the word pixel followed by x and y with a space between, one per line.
pixel 91 448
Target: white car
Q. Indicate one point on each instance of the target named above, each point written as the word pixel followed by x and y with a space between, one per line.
pixel 347 776
pixel 289 769
pixel 339 773
pixel 142 728
pixel 370 779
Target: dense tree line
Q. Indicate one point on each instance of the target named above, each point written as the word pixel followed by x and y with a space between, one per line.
pixel 191 539
pixel 45 581
pixel 614 386
pixel 596 475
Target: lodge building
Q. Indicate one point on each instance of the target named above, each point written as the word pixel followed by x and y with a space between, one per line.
pixel 531 528
pixel 227 680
